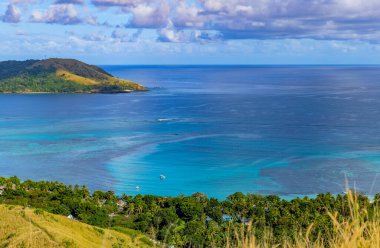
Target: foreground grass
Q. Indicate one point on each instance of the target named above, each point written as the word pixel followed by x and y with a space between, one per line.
pixel 27 227
pixel 360 229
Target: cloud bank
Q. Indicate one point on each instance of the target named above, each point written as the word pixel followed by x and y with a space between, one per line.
pixel 255 19
pixel 209 20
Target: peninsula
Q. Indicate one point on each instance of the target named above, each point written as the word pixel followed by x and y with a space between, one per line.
pixel 60 76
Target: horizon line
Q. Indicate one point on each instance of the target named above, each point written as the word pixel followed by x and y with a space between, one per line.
pixel 238 64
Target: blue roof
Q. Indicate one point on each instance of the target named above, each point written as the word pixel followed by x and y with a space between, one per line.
pixel 227 217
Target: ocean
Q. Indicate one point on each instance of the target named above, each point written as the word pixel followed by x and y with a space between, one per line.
pixel 286 130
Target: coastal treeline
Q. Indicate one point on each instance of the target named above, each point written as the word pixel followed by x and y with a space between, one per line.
pixel 41 83
pixel 190 221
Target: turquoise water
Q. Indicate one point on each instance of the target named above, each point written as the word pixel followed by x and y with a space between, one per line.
pixel 297 130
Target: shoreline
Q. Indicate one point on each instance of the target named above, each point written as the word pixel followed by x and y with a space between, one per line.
pixel 287 198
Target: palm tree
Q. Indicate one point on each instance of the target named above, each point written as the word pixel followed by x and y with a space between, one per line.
pixel 131 209
pixel 139 208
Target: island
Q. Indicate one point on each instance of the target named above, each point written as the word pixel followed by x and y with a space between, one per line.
pixel 57 75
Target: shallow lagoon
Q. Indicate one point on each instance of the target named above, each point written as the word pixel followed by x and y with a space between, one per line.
pixel 214 129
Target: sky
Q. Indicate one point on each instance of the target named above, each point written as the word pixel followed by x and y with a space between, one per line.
pixel 192 31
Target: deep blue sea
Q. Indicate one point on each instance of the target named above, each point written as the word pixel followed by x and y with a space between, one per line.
pixel 288 130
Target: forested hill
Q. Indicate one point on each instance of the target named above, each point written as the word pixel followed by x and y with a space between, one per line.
pixel 60 76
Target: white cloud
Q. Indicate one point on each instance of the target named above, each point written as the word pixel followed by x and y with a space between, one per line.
pixel 69 1
pixel 128 3
pixel 61 14
pixel 170 34
pixel 120 35
pixel 148 16
pixel 24 1
pixel 12 14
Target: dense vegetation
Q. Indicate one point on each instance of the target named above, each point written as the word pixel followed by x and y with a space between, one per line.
pixel 59 76
pixel 187 221
pixel 42 83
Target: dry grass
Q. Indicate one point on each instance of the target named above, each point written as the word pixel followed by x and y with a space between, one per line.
pixel 75 78
pixel 125 83
pixel 88 81
pixel 21 227
pixel 359 230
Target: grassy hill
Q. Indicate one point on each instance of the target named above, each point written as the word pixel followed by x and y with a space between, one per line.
pixel 27 227
pixel 60 76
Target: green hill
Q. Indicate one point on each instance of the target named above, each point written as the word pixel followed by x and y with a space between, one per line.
pixel 27 227
pixel 60 76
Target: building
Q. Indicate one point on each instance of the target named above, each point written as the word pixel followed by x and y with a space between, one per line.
pixel 121 204
pixel 71 217
pixel 227 217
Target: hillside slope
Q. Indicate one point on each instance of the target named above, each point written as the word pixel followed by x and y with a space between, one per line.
pixel 60 76
pixel 26 227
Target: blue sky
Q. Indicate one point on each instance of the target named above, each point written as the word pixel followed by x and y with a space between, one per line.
pixel 192 31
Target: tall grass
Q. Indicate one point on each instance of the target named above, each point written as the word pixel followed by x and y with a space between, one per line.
pixel 27 227
pixel 360 229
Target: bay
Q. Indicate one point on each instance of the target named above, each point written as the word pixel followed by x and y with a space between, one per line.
pixel 287 130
